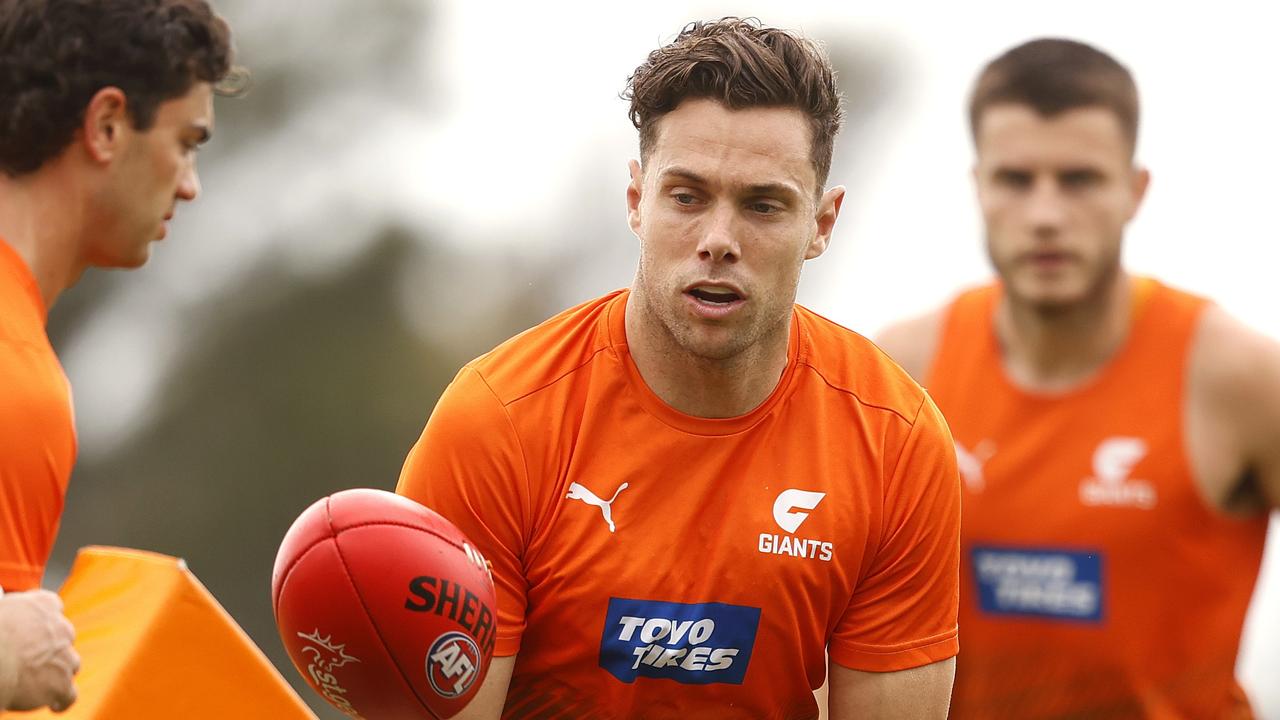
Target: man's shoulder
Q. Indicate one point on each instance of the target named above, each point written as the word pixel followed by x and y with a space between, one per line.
pixel 913 342
pixel 549 351
pixel 20 318
pixel 27 360
pixel 850 363
pixel 1231 359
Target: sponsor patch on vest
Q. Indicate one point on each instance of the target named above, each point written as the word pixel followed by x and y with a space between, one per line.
pixel 1039 582
pixel 695 644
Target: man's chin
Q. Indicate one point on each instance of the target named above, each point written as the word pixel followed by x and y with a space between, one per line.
pixel 712 344
pixel 1048 296
pixel 131 261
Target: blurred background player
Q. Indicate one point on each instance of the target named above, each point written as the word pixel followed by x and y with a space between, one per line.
pixel 724 482
pixel 103 104
pixel 1119 440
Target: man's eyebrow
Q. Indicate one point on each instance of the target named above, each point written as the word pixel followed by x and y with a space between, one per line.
pixel 772 188
pixel 776 189
pixel 679 172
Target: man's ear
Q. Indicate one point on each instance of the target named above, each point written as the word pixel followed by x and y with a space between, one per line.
pixel 106 122
pixel 635 190
pixel 828 210
pixel 1140 182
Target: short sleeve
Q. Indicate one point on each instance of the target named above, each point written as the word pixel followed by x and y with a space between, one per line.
pixel 468 466
pixel 37 451
pixel 903 613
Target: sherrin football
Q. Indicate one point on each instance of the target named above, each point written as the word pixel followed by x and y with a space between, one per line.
pixel 384 607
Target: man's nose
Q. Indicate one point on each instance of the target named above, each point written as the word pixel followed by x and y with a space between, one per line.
pixel 1046 207
pixel 719 242
pixel 189 186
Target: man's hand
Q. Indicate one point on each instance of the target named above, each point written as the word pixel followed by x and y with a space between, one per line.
pixel 37 661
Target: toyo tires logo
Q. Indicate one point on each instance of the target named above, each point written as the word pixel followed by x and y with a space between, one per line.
pixel 695 644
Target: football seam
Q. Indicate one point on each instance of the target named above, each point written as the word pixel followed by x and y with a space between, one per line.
pixel 365 606
pixel 333 535
pixel 397 523
pixel 288 572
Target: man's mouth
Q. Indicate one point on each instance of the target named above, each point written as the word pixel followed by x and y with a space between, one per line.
pixel 714 294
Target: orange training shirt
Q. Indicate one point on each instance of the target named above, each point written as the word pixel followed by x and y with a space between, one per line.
pixel 654 564
pixel 1096 581
pixel 37 434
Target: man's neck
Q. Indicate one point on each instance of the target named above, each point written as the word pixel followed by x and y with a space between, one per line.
pixel 1059 349
pixel 40 220
pixel 698 386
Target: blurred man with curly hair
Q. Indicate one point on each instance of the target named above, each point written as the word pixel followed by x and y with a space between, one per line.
pixel 103 104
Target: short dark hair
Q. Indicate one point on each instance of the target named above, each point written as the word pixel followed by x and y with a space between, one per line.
pixel 742 64
pixel 1053 75
pixel 56 54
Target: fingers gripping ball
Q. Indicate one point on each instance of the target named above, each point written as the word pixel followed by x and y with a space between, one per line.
pixel 384 606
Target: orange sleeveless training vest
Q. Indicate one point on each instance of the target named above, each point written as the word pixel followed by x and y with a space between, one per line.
pixel 1095 580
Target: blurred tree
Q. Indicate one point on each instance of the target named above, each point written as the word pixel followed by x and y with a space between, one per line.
pixel 292 390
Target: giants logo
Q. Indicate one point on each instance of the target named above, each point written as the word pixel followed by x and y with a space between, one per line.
pixel 1113 461
pixel 325 657
pixel 788 514
pixel 452 663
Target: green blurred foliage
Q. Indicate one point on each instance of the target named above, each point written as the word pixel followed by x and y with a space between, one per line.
pixel 292 390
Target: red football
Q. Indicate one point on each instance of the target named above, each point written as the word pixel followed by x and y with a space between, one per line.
pixel 384 606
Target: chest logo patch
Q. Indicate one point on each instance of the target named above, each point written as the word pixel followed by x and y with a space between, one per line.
pixel 1039 582
pixel 787 513
pixel 1110 484
pixel 583 493
pixel 784 508
pixel 694 644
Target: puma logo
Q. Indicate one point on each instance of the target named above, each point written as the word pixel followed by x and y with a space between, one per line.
pixel 972 462
pixel 579 492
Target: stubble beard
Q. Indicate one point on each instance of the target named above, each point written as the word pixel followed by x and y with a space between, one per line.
pixel 679 336
pixel 1099 276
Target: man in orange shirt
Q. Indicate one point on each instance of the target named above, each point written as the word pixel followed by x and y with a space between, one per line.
pixel 694 491
pixel 1119 439
pixel 102 107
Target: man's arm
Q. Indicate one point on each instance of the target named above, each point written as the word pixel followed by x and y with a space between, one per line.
pixel 900 628
pixel 469 467
pixel 1263 462
pixel 912 342
pixel 917 694
pixel 37 660
pixel 1233 421
pixel 492 695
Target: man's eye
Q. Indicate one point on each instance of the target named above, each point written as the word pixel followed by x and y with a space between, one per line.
pixel 684 198
pixel 1013 179
pixel 1080 179
pixel 763 208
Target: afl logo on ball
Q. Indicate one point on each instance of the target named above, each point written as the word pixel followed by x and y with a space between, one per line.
pixel 452 664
